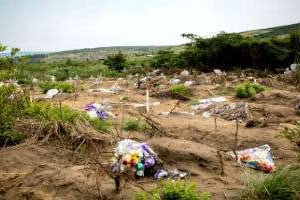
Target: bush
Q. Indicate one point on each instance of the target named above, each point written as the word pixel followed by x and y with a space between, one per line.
pixel 282 184
pixel 116 62
pixel 134 124
pixel 47 112
pixel 24 82
pixel 64 87
pixel 168 190
pixel 101 125
pixel 12 105
pixel 292 134
pixel 10 137
pixel 248 89
pixel 180 89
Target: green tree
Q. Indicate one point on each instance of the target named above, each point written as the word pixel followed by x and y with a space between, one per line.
pixel 165 58
pixel 14 51
pixel 116 62
pixel 2 47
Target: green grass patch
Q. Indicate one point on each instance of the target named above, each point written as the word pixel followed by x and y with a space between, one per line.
pixel 282 184
pixel 247 89
pixel 47 112
pixel 292 134
pixel 134 124
pixel 181 90
pixel 64 87
pixel 12 105
pixel 178 190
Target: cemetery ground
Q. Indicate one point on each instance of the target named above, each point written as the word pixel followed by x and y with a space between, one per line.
pixel 40 168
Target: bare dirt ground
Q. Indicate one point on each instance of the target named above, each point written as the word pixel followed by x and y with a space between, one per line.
pixel 48 171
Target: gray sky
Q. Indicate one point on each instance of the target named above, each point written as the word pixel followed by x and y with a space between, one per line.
pixel 51 25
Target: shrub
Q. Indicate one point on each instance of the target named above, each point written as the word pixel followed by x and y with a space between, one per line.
pixel 116 62
pixel 292 134
pixel 282 184
pixel 10 137
pixel 101 125
pixel 168 190
pixel 248 89
pixel 47 112
pixel 134 124
pixel 12 106
pixel 64 87
pixel 180 89
pixel 61 74
pixel 24 82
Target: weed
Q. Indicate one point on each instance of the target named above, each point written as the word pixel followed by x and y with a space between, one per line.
pixel 101 125
pixel 180 89
pixel 248 89
pixel 169 190
pixel 292 134
pixel 47 112
pixel 12 105
pixel 282 184
pixel 64 87
pixel 134 124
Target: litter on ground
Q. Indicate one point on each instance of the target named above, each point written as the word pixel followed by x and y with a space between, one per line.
pixel 135 156
pixel 228 112
pixel 51 93
pixel 259 158
pixel 95 110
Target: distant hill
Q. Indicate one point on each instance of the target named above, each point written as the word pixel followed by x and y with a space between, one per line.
pixel 103 52
pixel 24 53
pixel 278 31
pixel 144 51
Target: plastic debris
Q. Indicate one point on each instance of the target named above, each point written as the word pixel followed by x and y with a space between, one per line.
pixel 113 90
pixel 130 154
pixel 205 104
pixel 176 174
pixel 257 158
pixel 35 80
pixel 175 81
pixel 161 174
pixel 185 73
pixel 229 111
pixel 218 71
pixel 51 93
pixel 116 89
pixel 95 110
pixel 52 78
pixel 294 67
pixel 189 83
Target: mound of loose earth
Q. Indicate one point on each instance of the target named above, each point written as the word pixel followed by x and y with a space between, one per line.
pixel 45 172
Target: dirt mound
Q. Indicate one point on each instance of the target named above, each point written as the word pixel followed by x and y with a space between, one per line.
pixel 277 97
pixel 169 94
pixel 45 172
pixel 181 152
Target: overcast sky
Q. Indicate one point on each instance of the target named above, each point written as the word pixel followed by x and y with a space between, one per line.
pixel 52 25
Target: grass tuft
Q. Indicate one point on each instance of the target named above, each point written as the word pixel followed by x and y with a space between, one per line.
pixel 282 184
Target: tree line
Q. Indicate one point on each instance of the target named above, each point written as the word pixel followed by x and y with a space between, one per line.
pixel 228 51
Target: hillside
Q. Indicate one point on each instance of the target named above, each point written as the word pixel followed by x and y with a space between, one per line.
pixel 142 51
pixel 278 31
pixel 103 52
